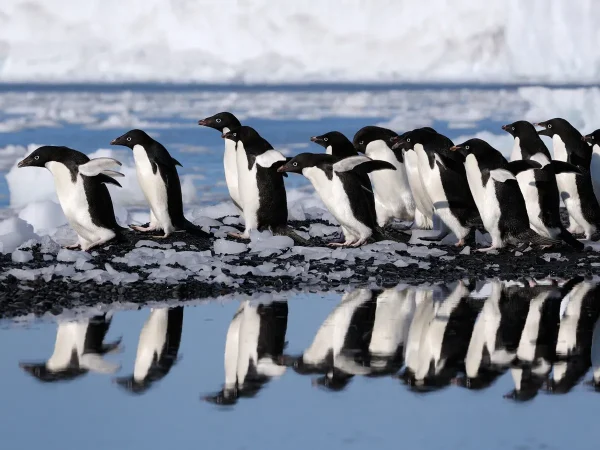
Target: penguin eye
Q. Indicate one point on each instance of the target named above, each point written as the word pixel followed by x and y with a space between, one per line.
pixel 513 128
pixel 218 120
pixel 408 140
pixel 467 147
pixel 549 125
pixel 234 134
pixel 36 157
pixel 325 139
pixel 128 138
pixel 361 142
pixel 294 164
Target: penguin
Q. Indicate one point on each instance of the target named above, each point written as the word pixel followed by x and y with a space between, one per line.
pixel 335 144
pixel 444 180
pixel 79 349
pixel 157 350
pixel 393 197
pixel 253 349
pixel 576 191
pixel 574 344
pixel 539 186
pixel 593 139
pixel 262 191
pixel 224 122
pixel 81 191
pixel 444 345
pixel 339 185
pixel 497 195
pixel 595 358
pixel 422 319
pixel 157 174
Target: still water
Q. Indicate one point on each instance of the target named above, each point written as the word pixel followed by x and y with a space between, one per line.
pixel 465 366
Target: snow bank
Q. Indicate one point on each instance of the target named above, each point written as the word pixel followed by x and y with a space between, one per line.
pixel 267 41
pixel 13 233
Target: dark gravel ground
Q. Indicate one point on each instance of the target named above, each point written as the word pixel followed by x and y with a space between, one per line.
pixel 19 298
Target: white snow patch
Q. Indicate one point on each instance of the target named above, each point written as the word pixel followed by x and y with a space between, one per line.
pixel 225 247
pixel 13 233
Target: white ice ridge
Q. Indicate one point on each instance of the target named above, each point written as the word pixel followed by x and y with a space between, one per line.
pixel 312 40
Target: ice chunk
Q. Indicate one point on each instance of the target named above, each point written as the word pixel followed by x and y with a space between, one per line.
pixel 224 247
pixel 421 251
pixel 265 241
pixel 319 229
pixel 22 274
pixel 66 255
pixel 466 251
pixel 44 216
pixel 20 256
pixel 13 233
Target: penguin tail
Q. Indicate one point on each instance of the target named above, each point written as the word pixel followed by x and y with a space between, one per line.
pixel 193 229
pixel 535 239
pixel 284 230
pixel 570 239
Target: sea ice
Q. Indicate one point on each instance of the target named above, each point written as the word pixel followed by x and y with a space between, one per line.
pixel 20 256
pixel 13 233
pixel 225 247
pixel 44 216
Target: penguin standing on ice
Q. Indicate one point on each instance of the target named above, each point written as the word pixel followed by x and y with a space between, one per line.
pixel 261 187
pixel 593 139
pixel 539 186
pixel 393 197
pixel 157 174
pixel 79 348
pixel 576 191
pixel 339 183
pixel 82 194
pixel 157 350
pixel 444 181
pixel 497 195
pixel 225 122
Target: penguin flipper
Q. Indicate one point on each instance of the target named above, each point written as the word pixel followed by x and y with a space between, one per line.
pixel 570 239
pixel 177 163
pixel 361 165
pixel 521 165
pixel 102 178
pixel 565 167
pixel 96 166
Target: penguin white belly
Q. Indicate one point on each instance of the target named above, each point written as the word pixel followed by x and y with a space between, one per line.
pixel 249 331
pixel 74 203
pixel 232 346
pixel 231 172
pixel 530 193
pixel 153 187
pixel 422 201
pixel 485 198
pixel 152 340
pixel 527 344
pixel 516 153
pixel 336 200
pixel 70 337
pixel 248 190
pixel 595 171
pixel 595 352
pixel 567 332
pixel 395 310
pixel 393 197
pixel 343 317
pixel 432 181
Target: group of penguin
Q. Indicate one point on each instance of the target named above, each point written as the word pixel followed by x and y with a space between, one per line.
pixel 545 334
pixel 380 176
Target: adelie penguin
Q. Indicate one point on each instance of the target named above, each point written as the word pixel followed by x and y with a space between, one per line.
pixel 393 197
pixel 539 186
pixel 225 122
pixel 576 191
pixel 497 194
pixel 262 191
pixel 593 139
pixel 444 181
pixel 82 194
pixel 157 174
pixel 339 184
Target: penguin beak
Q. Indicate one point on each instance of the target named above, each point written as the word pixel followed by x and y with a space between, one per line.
pixel 22 163
pixel 455 148
pixel 587 139
pixel 282 169
pixel 114 141
pixel 543 132
pixel 315 138
pixel 397 144
pixel 203 122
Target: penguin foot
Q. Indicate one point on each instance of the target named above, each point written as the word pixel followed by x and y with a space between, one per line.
pixel 341 244
pixel 238 236
pixel 488 249
pixel 72 247
pixel 460 243
pixel 142 229
pixel 161 237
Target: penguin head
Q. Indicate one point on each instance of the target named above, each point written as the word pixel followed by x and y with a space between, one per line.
pixel 593 138
pixel 369 134
pixel 220 121
pixel 43 155
pixel 520 129
pixel 133 138
pixel 304 160
pixel 408 140
pixel 243 133
pixel 477 147
pixel 555 126
pixel 336 144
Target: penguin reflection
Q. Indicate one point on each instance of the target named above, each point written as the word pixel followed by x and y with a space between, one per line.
pixel 157 349
pixel 595 352
pixel 364 335
pixel 253 348
pixel 79 348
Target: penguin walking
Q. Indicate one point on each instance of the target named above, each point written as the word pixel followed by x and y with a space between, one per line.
pixel 444 180
pixel 157 350
pixel 82 194
pixel 79 349
pixel 253 349
pixel 497 195
pixel 262 191
pixel 576 191
pixel 393 197
pixel 225 122
pixel 157 174
pixel 539 186
pixel 340 187
pixel 593 139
